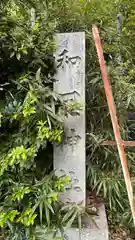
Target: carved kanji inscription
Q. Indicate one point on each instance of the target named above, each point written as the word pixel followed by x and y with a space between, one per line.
pixel 69 156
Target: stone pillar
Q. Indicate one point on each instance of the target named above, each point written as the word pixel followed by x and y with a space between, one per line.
pixel 69 157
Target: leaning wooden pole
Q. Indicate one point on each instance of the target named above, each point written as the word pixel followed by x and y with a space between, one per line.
pixel 109 96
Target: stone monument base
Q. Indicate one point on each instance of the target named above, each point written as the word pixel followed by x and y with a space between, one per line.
pixel 90 230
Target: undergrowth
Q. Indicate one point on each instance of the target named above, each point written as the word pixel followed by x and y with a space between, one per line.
pixel 32 114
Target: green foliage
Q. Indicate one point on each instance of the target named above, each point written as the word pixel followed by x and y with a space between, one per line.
pixel 19 192
pixel 28 216
pixel 44 133
pixel 61 182
pixel 73 214
pixel 45 233
pixel 4 216
pixel 31 120
pixel 18 155
pixel 31 114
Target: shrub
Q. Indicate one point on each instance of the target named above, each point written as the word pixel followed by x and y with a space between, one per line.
pixel 30 120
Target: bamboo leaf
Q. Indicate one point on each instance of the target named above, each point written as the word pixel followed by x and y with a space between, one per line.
pixel 41 211
pixel 49 207
pixel 91 219
pixel 18 56
pixel 47 213
pixel 67 215
pixel 72 219
pixel 99 187
pixel 38 75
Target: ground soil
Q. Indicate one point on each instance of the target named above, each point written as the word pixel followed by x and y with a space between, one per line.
pixel 121 234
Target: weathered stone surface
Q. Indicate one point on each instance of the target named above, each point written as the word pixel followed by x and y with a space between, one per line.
pixel 90 231
pixel 69 157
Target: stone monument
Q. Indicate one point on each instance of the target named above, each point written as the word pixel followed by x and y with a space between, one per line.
pixel 69 156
